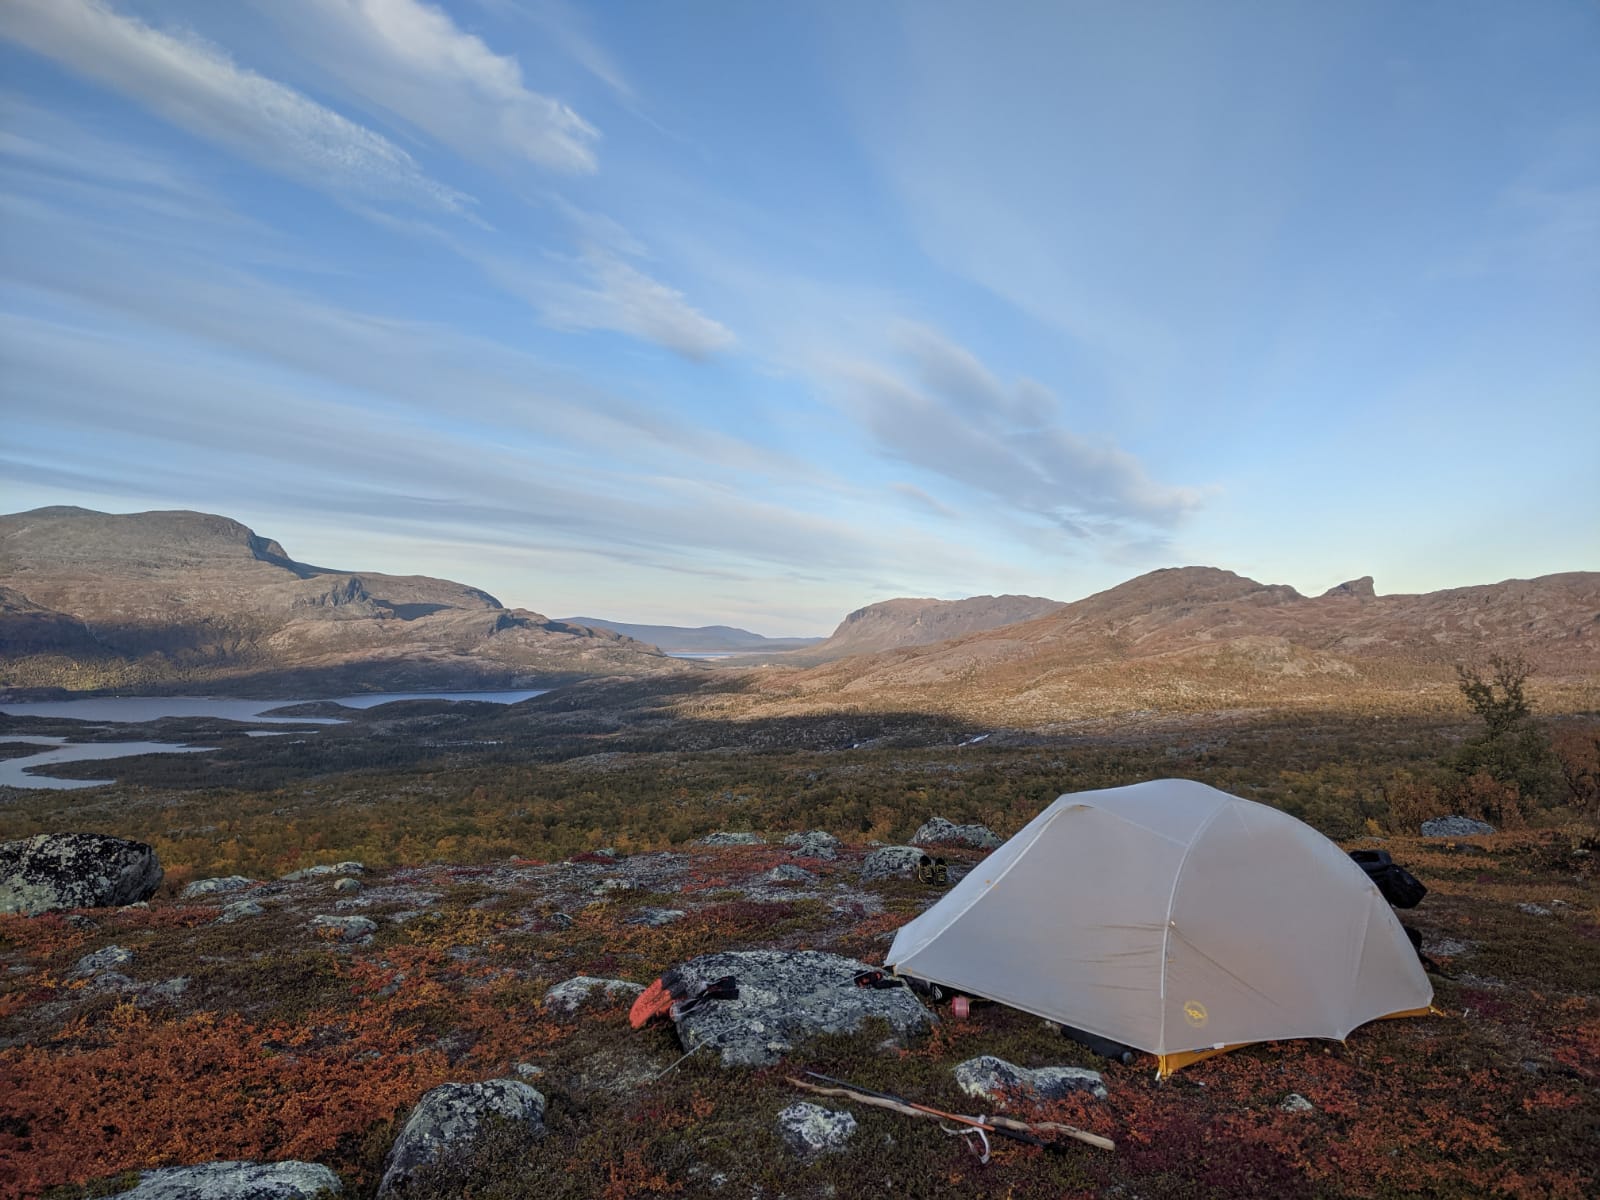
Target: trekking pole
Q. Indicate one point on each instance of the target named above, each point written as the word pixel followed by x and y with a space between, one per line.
pixel 1004 1126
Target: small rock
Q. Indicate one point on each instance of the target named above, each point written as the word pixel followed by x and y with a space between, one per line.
pixel 940 832
pixel 214 887
pixel 721 838
pixel 237 911
pixel 1535 910
pixel 451 1117
pixel 317 872
pixel 615 885
pixel 1294 1102
pixel 167 989
pixel 572 994
pixel 990 1078
pixel 103 960
pixel 1454 827
pixel 789 873
pixel 528 1070
pixel 816 843
pixel 810 1129
pixel 656 916
pixel 52 871
pixel 344 929
pixel 891 862
pixel 347 886
pixel 236 1181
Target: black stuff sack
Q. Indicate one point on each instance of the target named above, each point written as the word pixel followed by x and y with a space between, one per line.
pixel 1399 886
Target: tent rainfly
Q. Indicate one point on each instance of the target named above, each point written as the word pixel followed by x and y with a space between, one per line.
pixel 1174 918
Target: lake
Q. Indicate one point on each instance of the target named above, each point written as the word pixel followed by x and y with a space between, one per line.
pixel 123 710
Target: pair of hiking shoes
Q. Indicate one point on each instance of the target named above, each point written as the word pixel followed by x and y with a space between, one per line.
pixel 933 871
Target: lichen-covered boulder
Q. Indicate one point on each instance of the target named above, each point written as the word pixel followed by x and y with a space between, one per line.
pixel 810 1129
pixel 993 1079
pixel 721 838
pixel 572 994
pixel 215 887
pixel 940 832
pixel 1455 827
pixel 451 1117
pixel 51 871
pixel 891 862
pixel 786 997
pixel 816 843
pixel 236 1181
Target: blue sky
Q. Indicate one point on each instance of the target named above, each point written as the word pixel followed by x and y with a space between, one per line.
pixel 756 313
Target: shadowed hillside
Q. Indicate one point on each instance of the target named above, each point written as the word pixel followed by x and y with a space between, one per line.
pixel 181 599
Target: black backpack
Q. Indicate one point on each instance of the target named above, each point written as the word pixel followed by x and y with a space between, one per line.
pixel 1399 886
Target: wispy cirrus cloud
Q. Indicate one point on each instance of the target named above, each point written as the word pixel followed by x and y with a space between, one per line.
pixel 607 292
pixel 947 414
pixel 198 87
pixel 414 61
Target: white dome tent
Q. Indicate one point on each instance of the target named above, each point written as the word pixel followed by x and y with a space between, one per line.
pixel 1174 918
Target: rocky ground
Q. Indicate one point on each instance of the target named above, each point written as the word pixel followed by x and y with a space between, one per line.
pixel 304 1018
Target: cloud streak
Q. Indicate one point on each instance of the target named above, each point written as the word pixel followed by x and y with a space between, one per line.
pixel 610 293
pixel 198 87
pixel 411 59
pixel 951 416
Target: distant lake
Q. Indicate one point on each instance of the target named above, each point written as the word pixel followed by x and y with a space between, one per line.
pixel 13 773
pixel 136 709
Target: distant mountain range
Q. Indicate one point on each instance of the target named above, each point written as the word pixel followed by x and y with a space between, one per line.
pixel 705 639
pixel 168 601
pixel 159 601
pixel 1201 638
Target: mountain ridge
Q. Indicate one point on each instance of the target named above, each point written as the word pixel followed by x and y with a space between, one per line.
pixel 1198 637
pixel 180 598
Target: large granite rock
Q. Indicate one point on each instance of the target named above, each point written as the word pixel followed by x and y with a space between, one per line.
pixel 236 1181
pixel 810 1129
pixel 940 832
pixel 451 1117
pixel 891 862
pixel 1455 827
pixel 51 871
pixel 992 1079
pixel 786 997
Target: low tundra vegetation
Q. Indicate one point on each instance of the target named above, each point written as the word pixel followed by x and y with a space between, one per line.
pixel 283 1045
